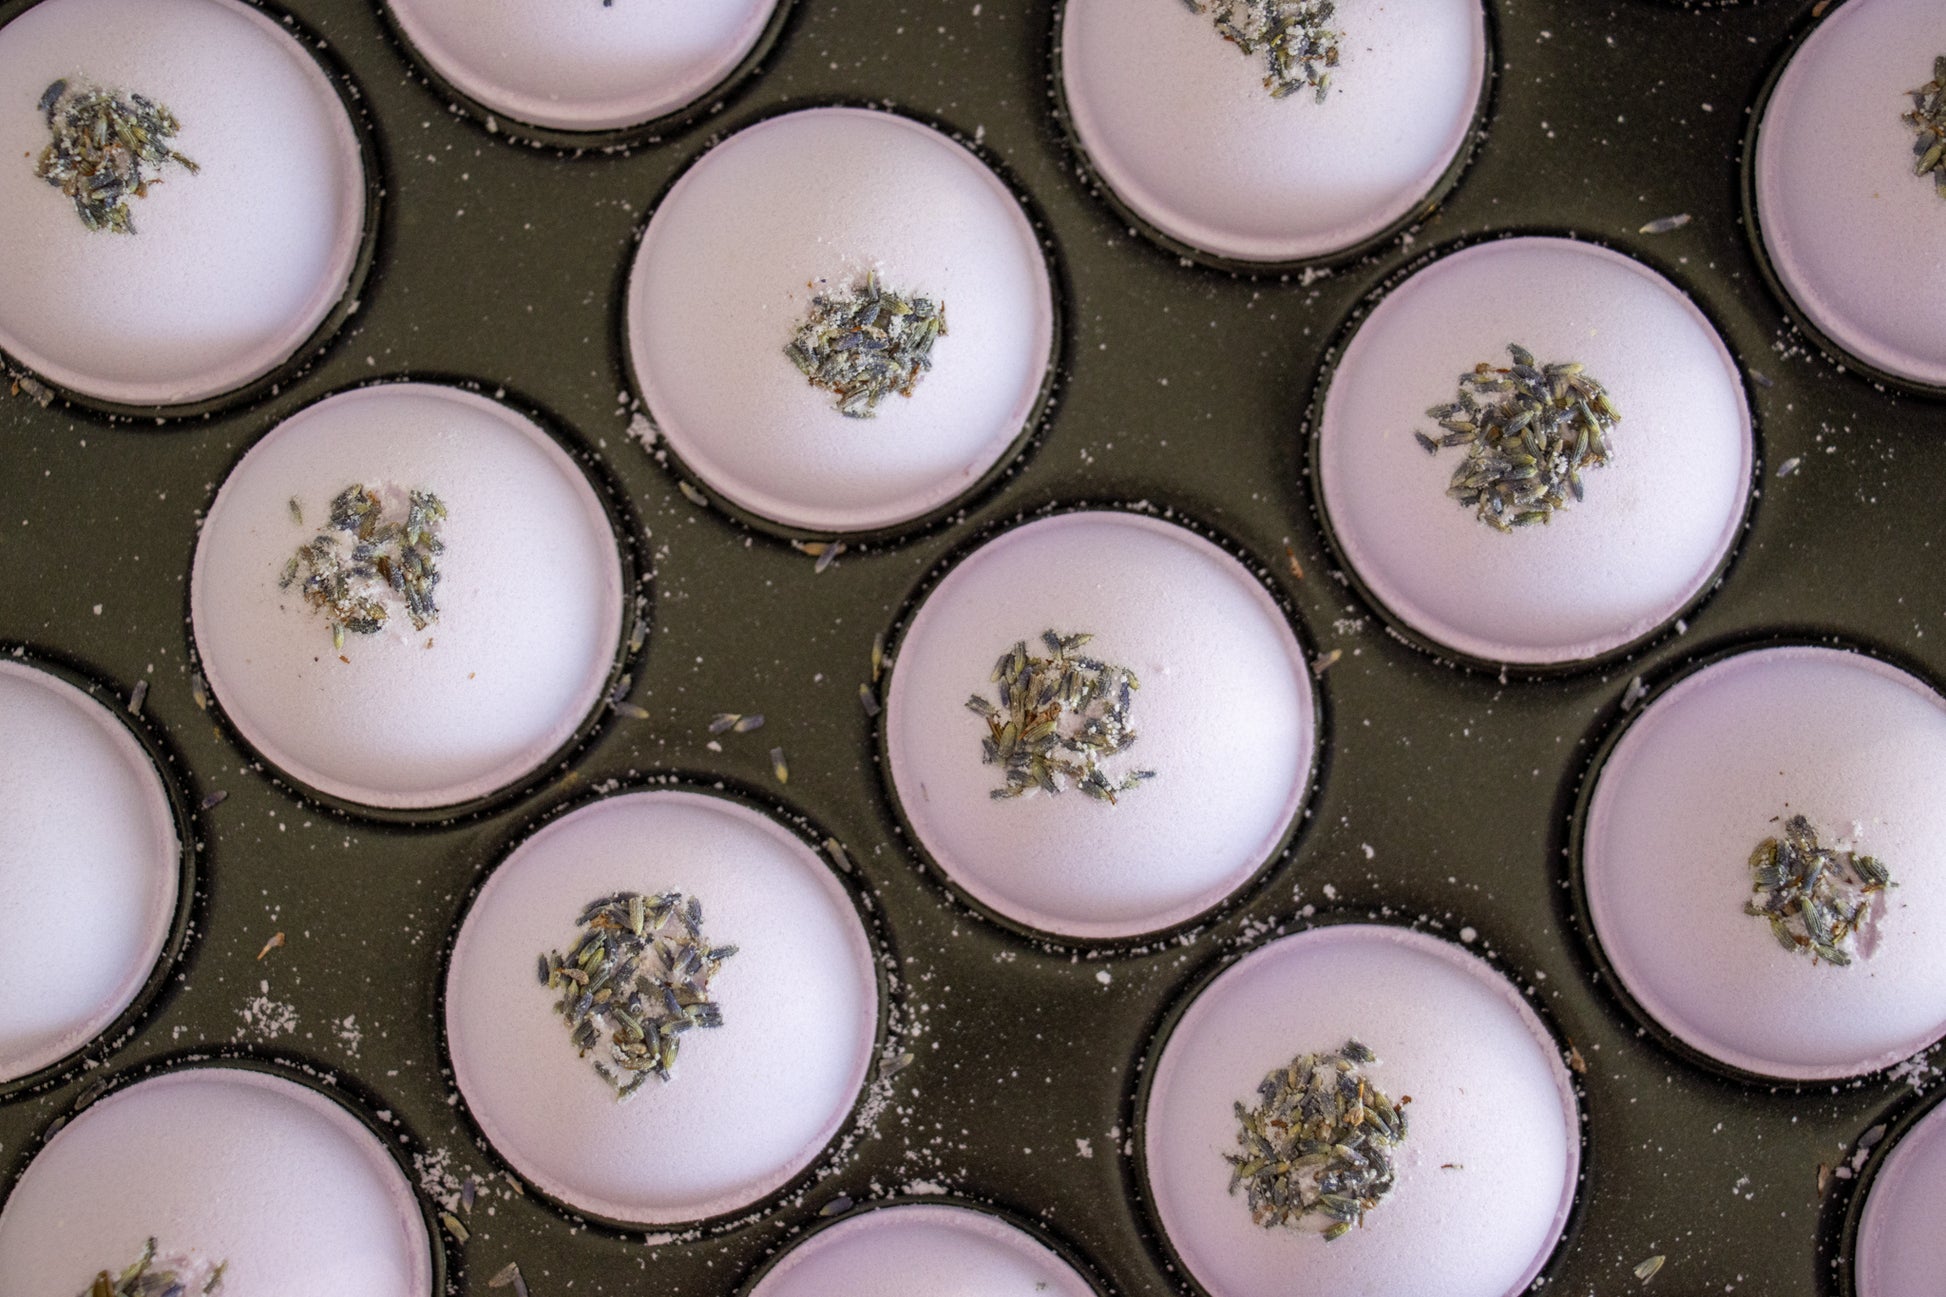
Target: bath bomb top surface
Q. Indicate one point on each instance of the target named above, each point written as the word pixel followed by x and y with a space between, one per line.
pixel 810 205
pixel 1901 1249
pixel 1712 768
pixel 921 1248
pixel 1223 709
pixel 1485 1172
pixel 748 1104
pixel 83 814
pixel 231 267
pixel 1853 233
pixel 529 600
pixel 583 67
pixel 1657 522
pixel 221 1166
pixel 1178 122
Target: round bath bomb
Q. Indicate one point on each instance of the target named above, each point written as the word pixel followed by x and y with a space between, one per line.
pixel 220 1166
pixel 1273 150
pixel 207 242
pixel 1023 779
pixel 1851 226
pixel 1467 1114
pixel 1640 459
pixel 738 1028
pixel 920 1248
pixel 583 66
pixel 1784 780
pixel 841 320
pixel 1901 1251
pixel 83 814
pixel 407 596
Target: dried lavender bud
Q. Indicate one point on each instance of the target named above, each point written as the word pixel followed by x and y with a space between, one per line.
pixel 1816 899
pixel 1298 43
pixel 867 344
pixel 636 979
pixel 1928 118
pixel 102 142
pixel 1318 1143
pixel 385 561
pixel 1529 431
pixel 1058 718
pixel 145 1277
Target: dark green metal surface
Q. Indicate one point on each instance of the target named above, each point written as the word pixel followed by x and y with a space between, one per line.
pixel 1445 794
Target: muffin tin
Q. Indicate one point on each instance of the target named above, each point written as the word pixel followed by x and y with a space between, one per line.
pixel 1446 794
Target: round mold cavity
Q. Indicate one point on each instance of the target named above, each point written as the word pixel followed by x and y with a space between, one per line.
pixel 86 814
pixel 809 205
pixel 1179 125
pixel 1710 768
pixel 586 70
pixel 1486 1171
pixel 1223 706
pixel 1848 229
pixel 800 1004
pixel 1658 523
pixel 906 1248
pixel 1895 1245
pixel 232 268
pixel 218 1164
pixel 410 718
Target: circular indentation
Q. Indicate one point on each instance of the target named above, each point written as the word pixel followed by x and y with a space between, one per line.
pixel 748 1104
pixel 90 869
pixel 809 205
pixel 1658 521
pixel 1222 704
pixel 1851 231
pixel 219 1165
pixel 1180 125
pixel 920 1248
pixel 232 265
pixel 1900 1251
pixel 581 67
pixel 1485 1173
pixel 527 603
pixel 1706 773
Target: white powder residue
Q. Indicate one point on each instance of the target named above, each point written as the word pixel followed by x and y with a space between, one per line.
pixel 350 1035
pixel 265 1018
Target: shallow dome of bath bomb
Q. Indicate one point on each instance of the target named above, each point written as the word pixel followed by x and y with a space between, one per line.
pixel 1711 770
pixel 1189 654
pixel 83 814
pixel 1654 525
pixel 1484 1174
pixel 1851 228
pixel 397 668
pixel 920 1248
pixel 798 1005
pixel 234 237
pixel 1206 143
pixel 1901 1251
pixel 583 67
pixel 226 1167
pixel 786 237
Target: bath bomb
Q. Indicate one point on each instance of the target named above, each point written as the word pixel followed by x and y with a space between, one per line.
pixel 83 814
pixel 745 1105
pixel 1654 524
pixel 407 596
pixel 1716 766
pixel 790 233
pixel 1188 130
pixel 1484 1175
pixel 199 276
pixel 1163 637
